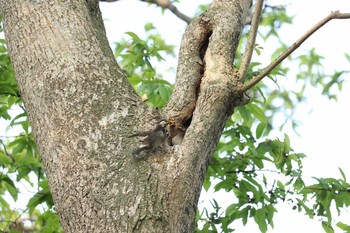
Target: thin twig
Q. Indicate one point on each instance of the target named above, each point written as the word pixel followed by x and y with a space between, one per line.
pixel 1 136
pixel 285 54
pixel 179 14
pixel 166 4
pixel 251 40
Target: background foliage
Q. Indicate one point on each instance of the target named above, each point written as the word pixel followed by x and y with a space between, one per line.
pixel 256 169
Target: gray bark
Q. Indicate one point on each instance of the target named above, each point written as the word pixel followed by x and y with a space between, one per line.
pixel 82 111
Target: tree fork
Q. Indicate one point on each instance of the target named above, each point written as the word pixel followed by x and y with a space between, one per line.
pixel 82 110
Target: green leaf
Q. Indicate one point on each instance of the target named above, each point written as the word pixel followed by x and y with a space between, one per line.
pixel 13 122
pixel 18 145
pixel 43 196
pixel 280 185
pixel 8 90
pixel 206 183
pixel 10 186
pixel 134 80
pixel 299 184
pixel 4 114
pixel 342 174
pixel 244 113
pixel 149 26
pixel 260 129
pixel 344 227
pixel 231 209
pixel 286 144
pixel 257 112
pixel 260 219
pixel 253 64
pixel 327 227
pixel 347 56
pixel 4 159
pixel 23 172
pixel 270 212
pixel 134 37
pixel 3 204
pixel 164 92
pixel 49 222
pixel 244 214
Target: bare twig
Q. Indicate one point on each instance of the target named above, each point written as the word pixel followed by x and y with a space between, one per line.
pixel 1 136
pixel 166 4
pixel 285 54
pixel 251 40
pixel 175 11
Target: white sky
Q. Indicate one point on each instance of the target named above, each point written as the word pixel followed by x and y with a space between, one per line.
pixel 323 133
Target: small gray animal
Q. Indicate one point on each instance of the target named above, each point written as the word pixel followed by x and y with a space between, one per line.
pixel 152 139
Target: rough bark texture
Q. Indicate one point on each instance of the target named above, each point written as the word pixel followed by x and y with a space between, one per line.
pixel 82 110
pixel 206 95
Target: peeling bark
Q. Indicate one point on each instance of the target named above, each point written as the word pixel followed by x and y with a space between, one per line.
pixel 82 110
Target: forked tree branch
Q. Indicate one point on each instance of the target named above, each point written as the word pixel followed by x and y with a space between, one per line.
pixel 166 4
pixel 285 54
pixel 251 40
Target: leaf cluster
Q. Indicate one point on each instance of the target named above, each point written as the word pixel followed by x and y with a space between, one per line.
pixel 257 172
pixel 135 57
pixel 322 195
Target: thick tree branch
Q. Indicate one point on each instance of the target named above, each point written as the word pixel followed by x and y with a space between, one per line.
pixel 189 71
pixel 251 40
pixel 285 54
pixel 203 94
pixel 166 4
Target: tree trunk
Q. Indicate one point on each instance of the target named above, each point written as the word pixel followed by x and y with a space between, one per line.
pixel 82 111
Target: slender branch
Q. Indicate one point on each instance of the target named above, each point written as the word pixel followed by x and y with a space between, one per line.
pixel 252 171
pixel 285 54
pixel 1 136
pixel 176 12
pixel 251 40
pixel 166 4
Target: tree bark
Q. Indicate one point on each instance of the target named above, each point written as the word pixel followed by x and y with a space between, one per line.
pixel 82 111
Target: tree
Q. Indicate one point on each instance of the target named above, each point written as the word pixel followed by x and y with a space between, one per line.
pixel 82 111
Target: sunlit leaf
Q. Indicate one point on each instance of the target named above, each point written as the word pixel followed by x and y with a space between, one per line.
pixel 327 227
pixel 260 129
